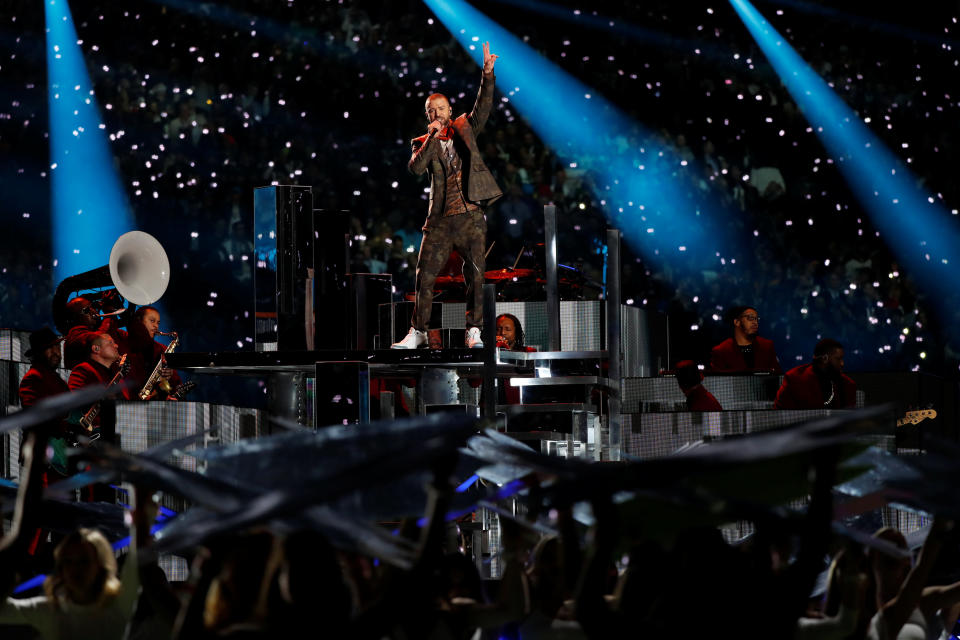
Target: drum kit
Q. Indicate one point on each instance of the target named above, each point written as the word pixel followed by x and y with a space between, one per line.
pixel 514 284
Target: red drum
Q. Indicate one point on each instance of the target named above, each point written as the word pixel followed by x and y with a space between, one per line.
pixel 510 275
pixel 443 282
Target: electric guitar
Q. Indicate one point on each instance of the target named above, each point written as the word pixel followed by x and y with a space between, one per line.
pixel 72 439
pixel 82 426
pixel 183 389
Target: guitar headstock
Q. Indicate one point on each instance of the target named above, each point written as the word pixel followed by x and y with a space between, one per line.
pixel 916 417
pixel 183 389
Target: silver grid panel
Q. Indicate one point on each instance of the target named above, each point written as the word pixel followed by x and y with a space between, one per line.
pixel 736 393
pixel 143 425
pixel 654 435
pixel 635 340
pixel 581 328
pixel 14 344
pixel 579 322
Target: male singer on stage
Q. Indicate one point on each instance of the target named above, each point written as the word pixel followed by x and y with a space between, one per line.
pixel 461 186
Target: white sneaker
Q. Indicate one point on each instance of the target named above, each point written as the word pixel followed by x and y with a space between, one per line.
pixel 413 340
pixel 473 339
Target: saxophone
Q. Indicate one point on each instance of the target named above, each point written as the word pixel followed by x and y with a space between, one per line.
pixel 155 378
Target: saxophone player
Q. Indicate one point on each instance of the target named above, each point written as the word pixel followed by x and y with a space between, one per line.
pixel 146 352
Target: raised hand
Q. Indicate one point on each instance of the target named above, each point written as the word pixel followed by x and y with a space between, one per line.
pixel 488 59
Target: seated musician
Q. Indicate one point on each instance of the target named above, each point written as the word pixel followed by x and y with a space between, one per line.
pixel 820 384
pixel 146 352
pixel 691 384
pixel 510 336
pixel 84 320
pixel 746 351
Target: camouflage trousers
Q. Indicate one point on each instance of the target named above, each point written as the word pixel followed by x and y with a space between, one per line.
pixel 467 233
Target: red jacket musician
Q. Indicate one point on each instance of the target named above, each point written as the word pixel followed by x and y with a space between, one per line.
pixel 146 354
pixel 820 384
pixel 690 381
pixel 746 351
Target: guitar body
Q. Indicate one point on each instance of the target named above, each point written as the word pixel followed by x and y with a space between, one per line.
pixel 58 447
pixel 58 455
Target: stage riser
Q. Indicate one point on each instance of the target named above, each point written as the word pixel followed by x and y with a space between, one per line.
pixel 582 328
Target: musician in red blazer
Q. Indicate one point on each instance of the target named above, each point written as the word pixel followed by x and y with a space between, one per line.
pixel 42 380
pixel 745 351
pixel 98 368
pixel 85 323
pixel 145 352
pixel 691 384
pixel 820 384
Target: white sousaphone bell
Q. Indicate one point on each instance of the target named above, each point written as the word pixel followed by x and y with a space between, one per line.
pixel 138 269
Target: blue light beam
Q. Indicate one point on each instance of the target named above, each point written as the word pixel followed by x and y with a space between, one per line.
pixel 89 207
pixel 640 189
pixel 920 231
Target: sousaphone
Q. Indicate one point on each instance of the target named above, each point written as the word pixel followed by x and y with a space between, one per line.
pixel 138 270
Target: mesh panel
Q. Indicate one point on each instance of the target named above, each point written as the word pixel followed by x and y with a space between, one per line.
pixel 580 322
pixel 652 435
pixel 14 344
pixel 737 393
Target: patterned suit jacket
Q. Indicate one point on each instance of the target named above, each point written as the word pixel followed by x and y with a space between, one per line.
pixel 478 183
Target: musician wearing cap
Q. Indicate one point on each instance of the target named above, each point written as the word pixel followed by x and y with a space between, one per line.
pixel 461 186
pixel 42 380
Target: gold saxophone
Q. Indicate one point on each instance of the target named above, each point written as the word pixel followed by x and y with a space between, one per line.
pixel 155 379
